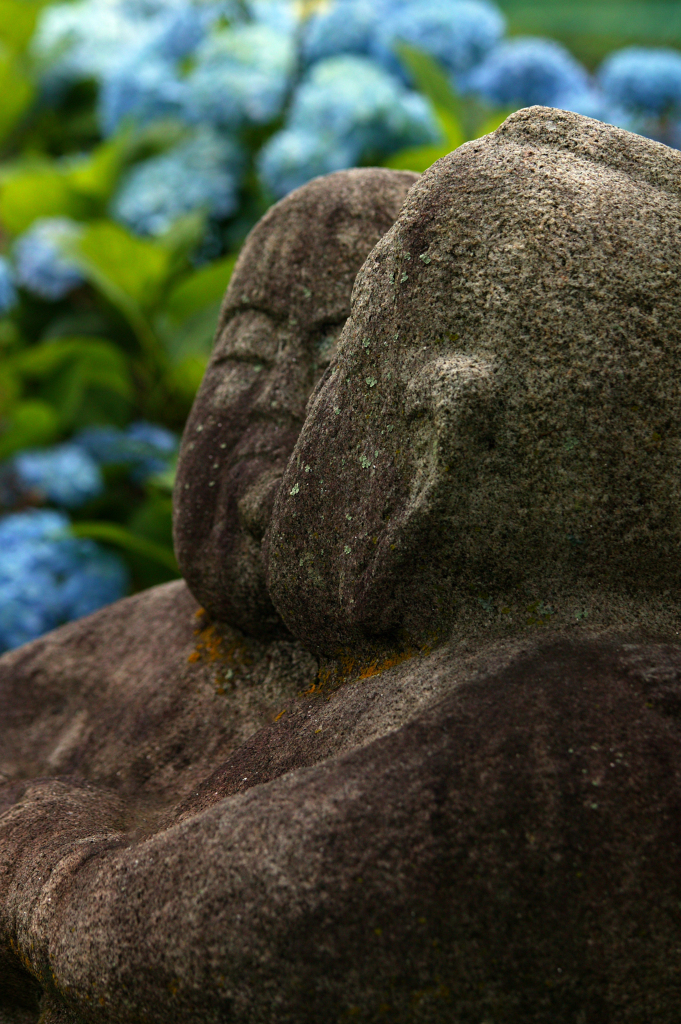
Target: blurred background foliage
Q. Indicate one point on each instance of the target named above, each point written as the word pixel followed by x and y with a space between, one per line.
pixel 140 140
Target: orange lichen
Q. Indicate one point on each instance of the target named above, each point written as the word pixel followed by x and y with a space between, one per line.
pixel 345 667
pixel 213 648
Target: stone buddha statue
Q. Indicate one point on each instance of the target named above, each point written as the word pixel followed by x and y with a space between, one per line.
pixel 470 813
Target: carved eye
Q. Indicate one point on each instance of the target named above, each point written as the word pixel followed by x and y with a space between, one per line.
pixel 249 337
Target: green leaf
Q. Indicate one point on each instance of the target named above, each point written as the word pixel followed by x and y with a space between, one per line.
pixel 87 380
pixel 132 273
pixel 96 177
pixel 79 189
pixel 185 378
pixel 134 268
pixel 451 129
pixel 10 389
pixel 428 77
pixel 418 159
pixel 194 337
pixel 16 89
pixel 123 538
pixel 461 118
pixel 190 312
pixel 30 424
pixel 17 22
pixel 183 238
pixel 204 287
pixel 164 481
pixel 493 122
pixel 32 192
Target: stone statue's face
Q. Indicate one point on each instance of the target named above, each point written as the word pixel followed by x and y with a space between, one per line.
pixel 283 312
pixel 479 441
pixel 236 449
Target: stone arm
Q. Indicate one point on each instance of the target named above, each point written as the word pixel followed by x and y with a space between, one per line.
pixel 389 876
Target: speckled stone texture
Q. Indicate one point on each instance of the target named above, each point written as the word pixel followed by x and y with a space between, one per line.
pixel 499 438
pixel 284 308
pixel 455 839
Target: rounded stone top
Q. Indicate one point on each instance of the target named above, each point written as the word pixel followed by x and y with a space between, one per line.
pixel 498 440
pixel 284 308
pixel 300 260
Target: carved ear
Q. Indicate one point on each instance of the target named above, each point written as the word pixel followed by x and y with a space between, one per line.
pixel 456 399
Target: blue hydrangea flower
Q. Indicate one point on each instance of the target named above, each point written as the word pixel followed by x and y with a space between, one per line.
pixel 93 38
pixel 242 74
pixel 647 81
pixel 458 33
pixel 178 32
pixel 295 155
pixel 86 39
pixel 145 447
pixel 65 474
pixel 279 15
pixel 48 578
pixel 524 72
pixel 41 266
pixel 142 90
pixel 347 26
pixel 200 174
pixel 8 294
pixel 347 108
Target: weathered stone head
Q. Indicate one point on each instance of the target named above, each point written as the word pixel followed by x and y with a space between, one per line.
pixel 498 439
pixel 283 311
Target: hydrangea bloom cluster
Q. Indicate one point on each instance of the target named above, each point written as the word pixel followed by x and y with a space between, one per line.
pixel 242 74
pixel 141 90
pixel 347 27
pixel 70 474
pixel 346 108
pixel 644 81
pixel 202 173
pixel 48 578
pixel 91 38
pixel 522 72
pixel 144 447
pixel 229 64
pixel 41 265
pixel 65 475
pixel 8 294
pixel 459 33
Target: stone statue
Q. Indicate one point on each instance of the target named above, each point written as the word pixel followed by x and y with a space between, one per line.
pixel 471 813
